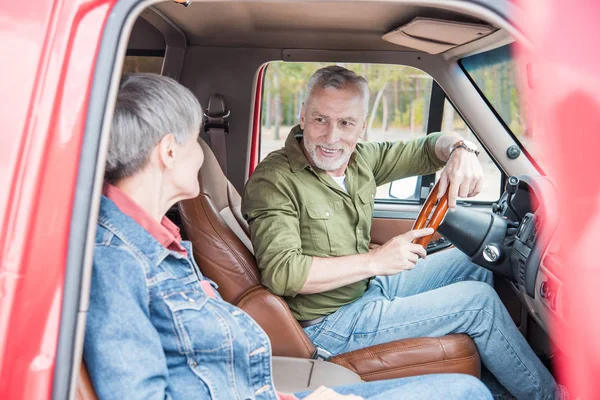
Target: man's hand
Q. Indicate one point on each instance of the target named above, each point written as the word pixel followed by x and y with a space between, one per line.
pixel 399 253
pixel 323 393
pixel 462 176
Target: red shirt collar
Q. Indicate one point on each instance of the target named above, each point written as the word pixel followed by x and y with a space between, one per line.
pixel 165 232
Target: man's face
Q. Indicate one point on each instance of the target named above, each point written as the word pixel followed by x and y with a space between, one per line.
pixel 332 120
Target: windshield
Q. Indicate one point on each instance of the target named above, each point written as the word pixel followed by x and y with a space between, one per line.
pixel 495 73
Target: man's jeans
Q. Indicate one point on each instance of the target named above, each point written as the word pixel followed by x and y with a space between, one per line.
pixel 443 294
pixel 443 386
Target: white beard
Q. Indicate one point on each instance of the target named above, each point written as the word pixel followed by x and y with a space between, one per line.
pixel 324 163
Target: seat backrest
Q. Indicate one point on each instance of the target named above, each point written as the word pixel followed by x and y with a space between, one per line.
pixel 220 238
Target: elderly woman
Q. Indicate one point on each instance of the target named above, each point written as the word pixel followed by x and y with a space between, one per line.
pixel 156 327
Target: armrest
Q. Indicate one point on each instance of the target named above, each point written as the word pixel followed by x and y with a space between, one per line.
pixel 292 375
pixel 272 313
pixel 454 353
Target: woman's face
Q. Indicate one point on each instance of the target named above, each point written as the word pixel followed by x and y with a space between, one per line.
pixel 188 160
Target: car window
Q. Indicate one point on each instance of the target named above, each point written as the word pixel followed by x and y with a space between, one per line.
pixel 495 73
pixel 143 63
pixel 398 110
pixel 398 107
pixel 492 177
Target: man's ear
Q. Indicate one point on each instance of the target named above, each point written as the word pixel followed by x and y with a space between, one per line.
pixel 302 116
pixel 166 150
pixel 363 129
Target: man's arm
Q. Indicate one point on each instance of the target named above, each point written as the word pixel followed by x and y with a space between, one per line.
pixel 122 349
pixel 273 216
pixel 462 176
pixel 397 255
pixel 391 161
pixel 396 160
pixel 270 207
pixel 443 145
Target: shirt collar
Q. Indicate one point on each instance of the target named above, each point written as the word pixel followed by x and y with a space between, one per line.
pixel 293 150
pixel 165 232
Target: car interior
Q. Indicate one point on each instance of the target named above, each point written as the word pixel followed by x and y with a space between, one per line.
pixel 222 50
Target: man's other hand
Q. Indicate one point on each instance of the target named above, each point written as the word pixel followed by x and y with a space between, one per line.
pixel 462 176
pixel 399 253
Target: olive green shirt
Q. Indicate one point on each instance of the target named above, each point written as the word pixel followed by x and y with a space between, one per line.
pixel 296 212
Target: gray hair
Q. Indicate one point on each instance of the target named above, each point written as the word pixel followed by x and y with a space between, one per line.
pixel 339 78
pixel 148 107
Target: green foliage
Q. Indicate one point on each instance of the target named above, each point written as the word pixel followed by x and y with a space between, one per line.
pixel 402 86
pixel 400 89
pixel 498 82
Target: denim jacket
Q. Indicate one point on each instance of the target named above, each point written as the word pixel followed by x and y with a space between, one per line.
pixel 153 333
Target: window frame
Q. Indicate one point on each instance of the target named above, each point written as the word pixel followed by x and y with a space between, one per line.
pixel 524 150
pixel 434 124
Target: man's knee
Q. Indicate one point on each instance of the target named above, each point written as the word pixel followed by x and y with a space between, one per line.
pixel 476 272
pixel 477 293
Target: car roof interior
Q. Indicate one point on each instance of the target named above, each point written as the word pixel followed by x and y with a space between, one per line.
pixel 218 47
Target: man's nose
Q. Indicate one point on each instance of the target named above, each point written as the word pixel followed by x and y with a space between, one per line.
pixel 333 133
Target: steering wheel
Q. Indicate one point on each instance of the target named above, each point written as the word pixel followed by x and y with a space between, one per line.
pixel 436 218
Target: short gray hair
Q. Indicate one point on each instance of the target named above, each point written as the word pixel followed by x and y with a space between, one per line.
pixel 339 78
pixel 148 107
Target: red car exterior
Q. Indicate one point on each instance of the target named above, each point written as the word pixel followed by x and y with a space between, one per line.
pixel 50 49
pixel 49 56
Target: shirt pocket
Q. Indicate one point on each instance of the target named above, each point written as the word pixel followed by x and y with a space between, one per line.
pixel 325 220
pixel 367 201
pixel 199 326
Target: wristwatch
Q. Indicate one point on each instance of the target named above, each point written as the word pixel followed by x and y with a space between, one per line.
pixel 465 144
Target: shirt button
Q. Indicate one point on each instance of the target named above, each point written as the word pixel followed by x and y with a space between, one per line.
pixel 327 214
pixel 372 196
pixel 358 230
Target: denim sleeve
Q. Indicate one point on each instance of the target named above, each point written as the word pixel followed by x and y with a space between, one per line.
pixel 122 349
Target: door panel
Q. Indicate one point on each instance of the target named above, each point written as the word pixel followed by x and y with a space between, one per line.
pixel 383 229
pixel 390 220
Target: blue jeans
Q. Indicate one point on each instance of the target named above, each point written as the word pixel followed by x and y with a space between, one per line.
pixel 446 386
pixel 443 294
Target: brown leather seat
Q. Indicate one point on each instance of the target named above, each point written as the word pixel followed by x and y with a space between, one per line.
pixel 220 236
pixel 85 389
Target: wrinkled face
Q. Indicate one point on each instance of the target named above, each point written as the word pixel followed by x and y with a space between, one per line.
pixel 187 160
pixel 333 120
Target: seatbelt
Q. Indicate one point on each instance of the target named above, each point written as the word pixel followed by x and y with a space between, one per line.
pixel 217 127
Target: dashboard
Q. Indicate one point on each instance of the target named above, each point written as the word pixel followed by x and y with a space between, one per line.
pixel 532 217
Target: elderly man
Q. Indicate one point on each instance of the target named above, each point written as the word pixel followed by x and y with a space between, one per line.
pixel 310 205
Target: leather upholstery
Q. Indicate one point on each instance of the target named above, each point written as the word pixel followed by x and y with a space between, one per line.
pixel 85 390
pixel 223 256
pixel 278 323
pixel 455 353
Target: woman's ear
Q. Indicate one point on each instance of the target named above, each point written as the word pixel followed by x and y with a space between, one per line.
pixel 166 150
